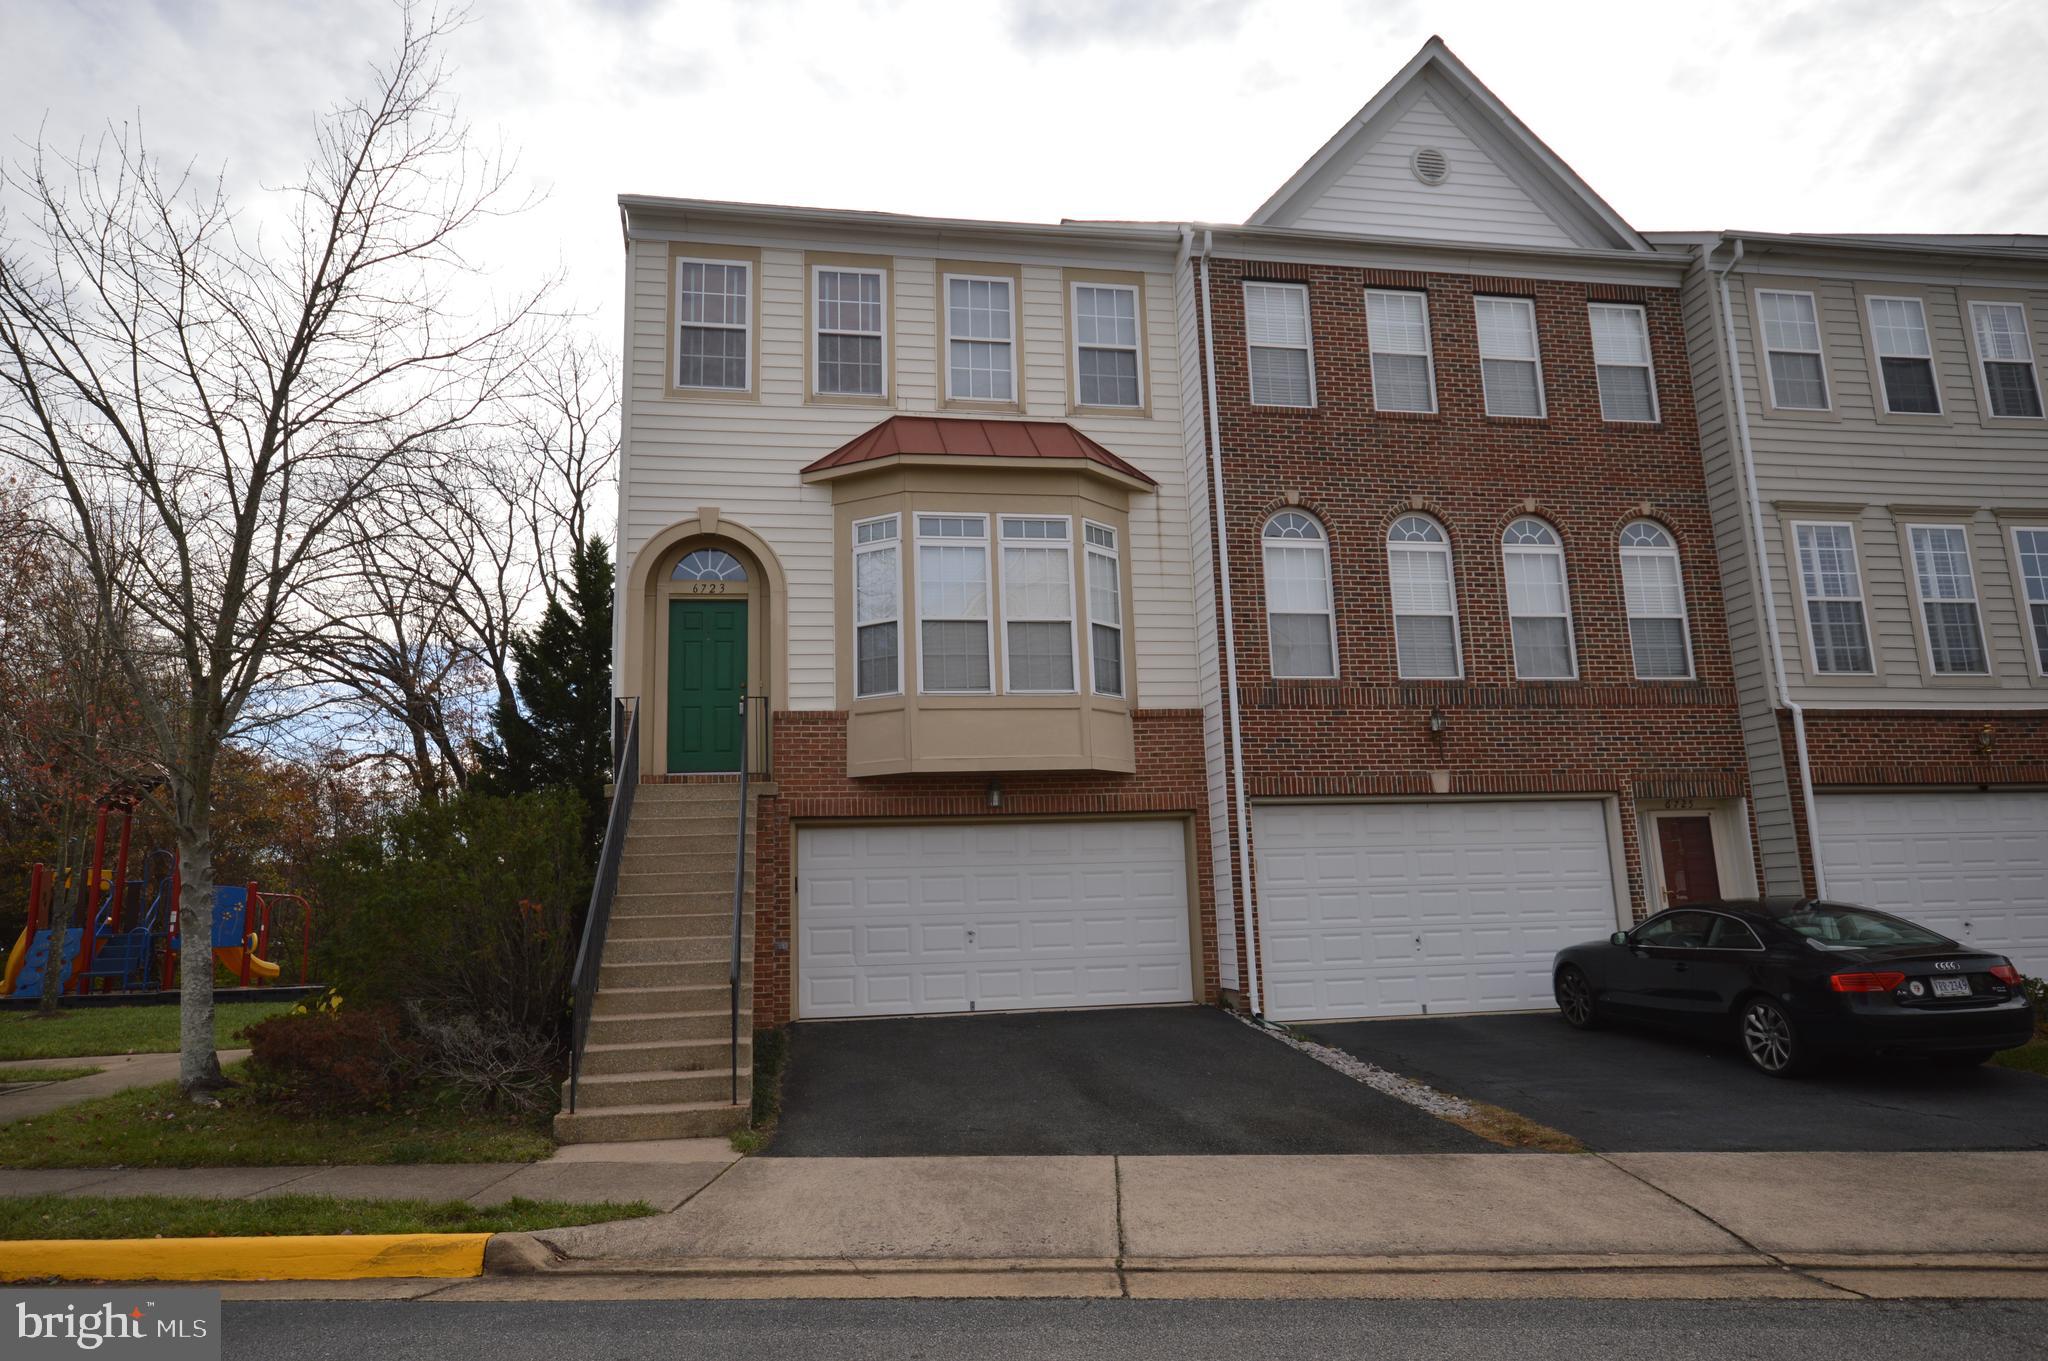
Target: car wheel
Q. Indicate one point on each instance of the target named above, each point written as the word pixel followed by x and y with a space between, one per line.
pixel 1575 998
pixel 1769 1039
pixel 1966 1058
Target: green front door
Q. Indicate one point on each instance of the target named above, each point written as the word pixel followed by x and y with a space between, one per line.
pixel 707 675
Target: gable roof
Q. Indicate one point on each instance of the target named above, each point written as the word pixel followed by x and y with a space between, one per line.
pixel 949 437
pixel 1505 186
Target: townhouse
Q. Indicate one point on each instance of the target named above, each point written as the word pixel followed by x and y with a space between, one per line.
pixel 1872 420
pixel 1477 700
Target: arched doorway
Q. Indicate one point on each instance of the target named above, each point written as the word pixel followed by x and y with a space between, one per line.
pixel 702 657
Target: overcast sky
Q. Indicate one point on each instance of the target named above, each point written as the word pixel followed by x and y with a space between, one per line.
pixel 1901 115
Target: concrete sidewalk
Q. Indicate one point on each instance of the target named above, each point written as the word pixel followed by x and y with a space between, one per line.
pixel 1304 1213
pixel 122 1072
pixel 664 1174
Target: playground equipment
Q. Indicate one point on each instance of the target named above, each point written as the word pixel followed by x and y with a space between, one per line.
pixel 133 941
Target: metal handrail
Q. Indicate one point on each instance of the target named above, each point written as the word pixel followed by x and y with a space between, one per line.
pixel 590 952
pixel 751 706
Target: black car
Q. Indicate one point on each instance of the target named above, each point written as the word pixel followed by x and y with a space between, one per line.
pixel 1795 980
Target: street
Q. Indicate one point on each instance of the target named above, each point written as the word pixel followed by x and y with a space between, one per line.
pixel 1136 1330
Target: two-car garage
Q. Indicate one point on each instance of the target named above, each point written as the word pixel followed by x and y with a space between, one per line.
pixel 1410 909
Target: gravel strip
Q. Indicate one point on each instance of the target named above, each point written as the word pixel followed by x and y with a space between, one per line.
pixel 1419 1095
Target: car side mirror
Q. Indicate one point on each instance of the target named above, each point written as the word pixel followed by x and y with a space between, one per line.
pixel 1618 938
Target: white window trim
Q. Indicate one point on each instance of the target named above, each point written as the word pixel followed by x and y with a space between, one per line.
pixel 746 328
pixel 901 642
pixel 989 616
pixel 1648 366
pixel 1450 578
pixel 1921 602
pixel 1115 556
pixel 1428 351
pixel 1016 333
pixel 999 602
pixel 1307 347
pixel 1329 594
pixel 1827 386
pixel 1536 349
pixel 818 331
pixel 1862 597
pixel 2026 602
pixel 1564 577
pixel 1983 362
pixel 1137 349
pixel 1684 605
pixel 1933 364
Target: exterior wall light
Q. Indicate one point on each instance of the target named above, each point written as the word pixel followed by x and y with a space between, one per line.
pixel 1436 722
pixel 1984 738
pixel 995 794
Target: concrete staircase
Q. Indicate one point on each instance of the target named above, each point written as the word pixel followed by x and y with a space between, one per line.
pixel 658 1060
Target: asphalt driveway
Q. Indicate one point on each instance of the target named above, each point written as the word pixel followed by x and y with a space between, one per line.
pixel 1637 1091
pixel 1164 1080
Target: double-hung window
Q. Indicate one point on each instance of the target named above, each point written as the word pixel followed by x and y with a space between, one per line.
pixel 1539 601
pixel 1424 599
pixel 1510 369
pixel 1905 357
pixel 1106 363
pixel 1833 590
pixel 1948 599
pixel 1403 372
pixel 1621 361
pixel 1277 337
pixel 1038 605
pixel 2030 546
pixel 953 653
pixel 877 607
pixel 1105 610
pixel 1791 329
pixel 714 321
pixel 852 353
pixel 1301 626
pixel 981 350
pixel 2006 351
pixel 1654 594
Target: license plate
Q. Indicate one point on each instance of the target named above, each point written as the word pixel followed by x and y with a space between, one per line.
pixel 1951 987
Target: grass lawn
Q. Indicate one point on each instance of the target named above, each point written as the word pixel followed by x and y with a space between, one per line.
pixel 8 1075
pixel 198 1217
pixel 2031 1057
pixel 119 1030
pixel 156 1127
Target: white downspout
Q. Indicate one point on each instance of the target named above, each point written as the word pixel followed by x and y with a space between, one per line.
pixel 1217 516
pixel 1763 562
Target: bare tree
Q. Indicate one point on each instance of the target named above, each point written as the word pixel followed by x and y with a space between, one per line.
pixel 211 403
pixel 567 425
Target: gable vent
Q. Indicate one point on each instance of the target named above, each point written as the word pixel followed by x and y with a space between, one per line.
pixel 1430 165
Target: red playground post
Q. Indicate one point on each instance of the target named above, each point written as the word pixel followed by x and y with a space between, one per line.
pixel 90 909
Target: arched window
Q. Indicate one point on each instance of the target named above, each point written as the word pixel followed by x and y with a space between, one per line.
pixel 1539 601
pixel 1425 603
pixel 708 564
pixel 1654 594
pixel 1300 623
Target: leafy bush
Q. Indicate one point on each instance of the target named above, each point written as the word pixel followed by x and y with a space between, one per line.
pixel 350 1060
pixel 467 907
pixel 485 1065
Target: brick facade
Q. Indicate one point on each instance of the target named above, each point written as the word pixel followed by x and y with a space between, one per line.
pixel 811 785
pixel 1876 749
pixel 1358 470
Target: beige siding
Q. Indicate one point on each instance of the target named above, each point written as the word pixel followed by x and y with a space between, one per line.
pixel 1884 474
pixel 1379 194
pixel 1727 494
pixel 745 457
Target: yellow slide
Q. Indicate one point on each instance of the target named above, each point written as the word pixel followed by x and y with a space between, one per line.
pixel 230 958
pixel 15 959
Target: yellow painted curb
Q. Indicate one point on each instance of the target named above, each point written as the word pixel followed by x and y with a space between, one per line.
pixel 309 1257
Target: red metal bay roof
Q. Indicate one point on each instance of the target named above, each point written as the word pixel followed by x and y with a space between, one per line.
pixel 922 436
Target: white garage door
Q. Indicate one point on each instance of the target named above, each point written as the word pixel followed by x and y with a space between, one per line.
pixel 947 917
pixel 1971 865
pixel 1424 909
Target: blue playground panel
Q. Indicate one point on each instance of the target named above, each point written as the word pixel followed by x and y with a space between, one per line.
pixel 29 982
pixel 230 907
